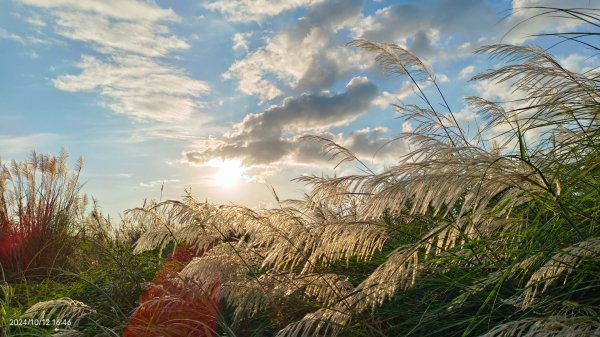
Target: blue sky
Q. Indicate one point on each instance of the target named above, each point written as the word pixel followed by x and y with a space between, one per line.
pixel 212 96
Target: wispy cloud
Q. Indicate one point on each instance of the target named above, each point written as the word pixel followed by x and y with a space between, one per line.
pixel 466 71
pixel 24 40
pixel 35 20
pixel 132 76
pixel 256 10
pixel 22 144
pixel 111 35
pixel 117 9
pixel 137 86
pixel 33 55
pixel 156 183
pixel 107 175
pixel 4 34
pixel 526 20
pixel 579 63
pixel 386 99
pixel 240 41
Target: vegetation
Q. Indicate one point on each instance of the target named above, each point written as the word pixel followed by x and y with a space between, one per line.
pixel 493 232
pixel 39 209
pixel 58 253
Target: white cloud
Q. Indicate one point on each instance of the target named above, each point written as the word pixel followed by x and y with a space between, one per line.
pixel 298 58
pixel 24 40
pixel 466 71
pixel 117 9
pixel 6 35
pixel 240 41
pixel 494 91
pixel 527 21
pixel 442 78
pixel 156 183
pixel 132 77
pixel 465 115
pixel 35 20
pixel 284 56
pixel 386 99
pixel 110 36
pixel 254 10
pixel 23 144
pixel 447 29
pixel 137 86
pixel 578 63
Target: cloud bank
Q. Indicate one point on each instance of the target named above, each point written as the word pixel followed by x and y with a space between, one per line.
pixel 272 136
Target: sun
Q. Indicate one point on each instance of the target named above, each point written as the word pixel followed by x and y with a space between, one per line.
pixel 229 173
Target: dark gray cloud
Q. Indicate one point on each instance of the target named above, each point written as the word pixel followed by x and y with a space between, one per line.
pixel 321 73
pixel 270 136
pixel 373 144
pixel 421 25
pixel 310 112
pixel 254 152
pixel 450 28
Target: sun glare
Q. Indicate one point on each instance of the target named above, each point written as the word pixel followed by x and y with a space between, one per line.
pixel 229 173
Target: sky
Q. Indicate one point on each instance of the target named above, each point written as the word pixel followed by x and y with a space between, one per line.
pixel 159 97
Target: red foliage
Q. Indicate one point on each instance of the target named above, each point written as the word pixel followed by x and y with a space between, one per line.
pixel 8 244
pixel 13 251
pixel 173 308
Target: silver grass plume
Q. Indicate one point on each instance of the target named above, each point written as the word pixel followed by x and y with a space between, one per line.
pixel 550 326
pixel 67 333
pixel 560 265
pixel 59 309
